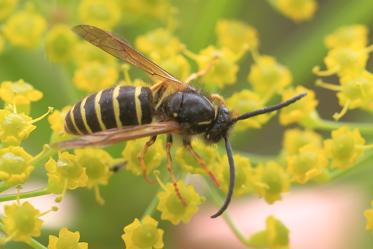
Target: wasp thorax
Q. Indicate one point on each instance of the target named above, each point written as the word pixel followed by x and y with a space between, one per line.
pixel 220 126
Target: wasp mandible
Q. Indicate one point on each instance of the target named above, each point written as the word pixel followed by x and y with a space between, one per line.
pixel 169 107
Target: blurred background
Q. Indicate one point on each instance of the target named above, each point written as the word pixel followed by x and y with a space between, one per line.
pixel 328 216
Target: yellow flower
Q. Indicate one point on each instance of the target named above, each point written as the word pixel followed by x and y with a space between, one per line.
pixel 143 234
pixel 297 10
pixel 25 28
pixel 267 76
pixel 159 44
pixel 244 175
pixel 65 174
pixel 20 94
pixel 14 127
pixel 15 165
pixel 301 110
pixel 275 236
pixel 369 217
pixel 102 13
pixel 85 53
pixel 344 61
pixel 96 163
pixel 66 240
pixel 345 147
pixel 236 36
pixel 171 207
pixel 60 43
pixel 245 101
pixel 95 76
pixel 56 121
pixel 308 163
pixel 294 139
pixel 224 68
pixel 271 181
pixel 21 221
pixel 153 156
pixel 352 36
pixel 7 7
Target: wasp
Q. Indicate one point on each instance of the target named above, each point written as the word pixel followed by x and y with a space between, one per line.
pixel 170 107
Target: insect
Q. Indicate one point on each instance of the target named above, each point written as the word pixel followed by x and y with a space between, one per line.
pixel 170 107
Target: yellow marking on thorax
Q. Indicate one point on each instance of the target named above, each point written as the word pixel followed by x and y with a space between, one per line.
pixel 72 117
pixel 98 111
pixel 116 107
pixel 84 117
pixel 138 104
pixel 205 122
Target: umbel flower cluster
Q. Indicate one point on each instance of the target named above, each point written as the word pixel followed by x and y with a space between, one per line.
pixel 307 155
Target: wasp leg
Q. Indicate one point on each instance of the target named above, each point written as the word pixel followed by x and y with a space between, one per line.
pixel 200 161
pixel 141 158
pixel 171 171
pixel 201 72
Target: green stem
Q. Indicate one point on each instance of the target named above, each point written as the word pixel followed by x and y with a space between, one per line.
pixel 362 162
pixel 44 154
pixel 151 208
pixel 33 243
pixel 25 195
pixel 332 125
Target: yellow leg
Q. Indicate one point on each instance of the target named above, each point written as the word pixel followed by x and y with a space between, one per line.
pixel 201 162
pixel 171 171
pixel 201 72
pixel 141 158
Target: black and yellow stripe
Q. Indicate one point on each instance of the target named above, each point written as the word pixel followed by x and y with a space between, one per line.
pixel 111 108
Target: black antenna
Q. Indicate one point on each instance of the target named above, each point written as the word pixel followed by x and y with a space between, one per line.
pixel 232 177
pixel 269 108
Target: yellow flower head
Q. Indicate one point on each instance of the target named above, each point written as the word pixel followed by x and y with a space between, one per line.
pixel 236 36
pixel 369 217
pixel 297 10
pixel 15 165
pixel 65 174
pixel 97 163
pixel 60 42
pixel 245 101
pixel 159 44
pixel 299 111
pixel 244 175
pixel 171 207
pixel 66 240
pixel 307 164
pixel 223 71
pixel 7 7
pixel 267 76
pixel 153 156
pixel 275 236
pixel 344 61
pixel 187 162
pixel 143 234
pixel 56 121
pixel 95 76
pixel 271 181
pixel 352 36
pixel 101 13
pixel 25 28
pixel 20 94
pixel 294 139
pixel 21 221
pixel 345 147
pixel 14 127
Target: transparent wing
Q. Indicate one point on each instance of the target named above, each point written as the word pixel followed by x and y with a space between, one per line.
pixel 122 50
pixel 112 136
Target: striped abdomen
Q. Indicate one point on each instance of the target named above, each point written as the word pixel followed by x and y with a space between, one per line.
pixel 111 108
